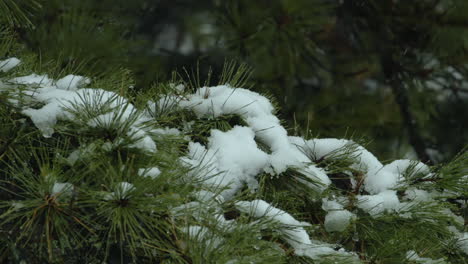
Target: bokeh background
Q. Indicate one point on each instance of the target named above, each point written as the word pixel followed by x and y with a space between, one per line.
pixel 386 72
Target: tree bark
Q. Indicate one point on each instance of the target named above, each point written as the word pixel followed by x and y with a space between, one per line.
pixel 415 138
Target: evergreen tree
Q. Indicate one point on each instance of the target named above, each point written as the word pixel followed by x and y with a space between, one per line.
pixel 193 171
pixel 329 63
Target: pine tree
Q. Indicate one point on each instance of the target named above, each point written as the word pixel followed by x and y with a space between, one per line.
pixel 327 62
pixel 191 171
pixel 381 67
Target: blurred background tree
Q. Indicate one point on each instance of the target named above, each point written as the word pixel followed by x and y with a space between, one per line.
pixel 393 72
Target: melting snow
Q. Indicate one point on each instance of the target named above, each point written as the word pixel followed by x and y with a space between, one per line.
pixel 337 218
pixel 8 64
pixel 293 230
pixel 233 158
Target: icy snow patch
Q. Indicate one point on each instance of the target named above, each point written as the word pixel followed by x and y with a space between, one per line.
pixel 321 148
pixel 8 64
pixel 296 236
pixel 237 154
pixel 337 218
pixel 207 196
pixel 203 234
pixel 269 130
pixel 142 140
pixel 121 191
pixel 149 172
pixel 463 242
pixel 375 205
pixel 165 131
pixel 337 221
pixel 418 195
pixel 203 161
pixel 220 100
pixel 462 238
pixel 33 79
pixel 378 178
pixel 72 82
pixel 294 232
pixel 62 190
pixel 319 179
pixel 66 95
pixel 391 174
pixel 326 147
pixel 44 118
pixel 57 100
pixel 257 112
pixel 400 166
pixel 231 160
pixel 414 257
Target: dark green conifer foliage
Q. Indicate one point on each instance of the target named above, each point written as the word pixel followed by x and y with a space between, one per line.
pixel 392 71
pixel 312 56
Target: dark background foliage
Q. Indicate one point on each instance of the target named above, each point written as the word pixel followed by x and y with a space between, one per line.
pixel 391 72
